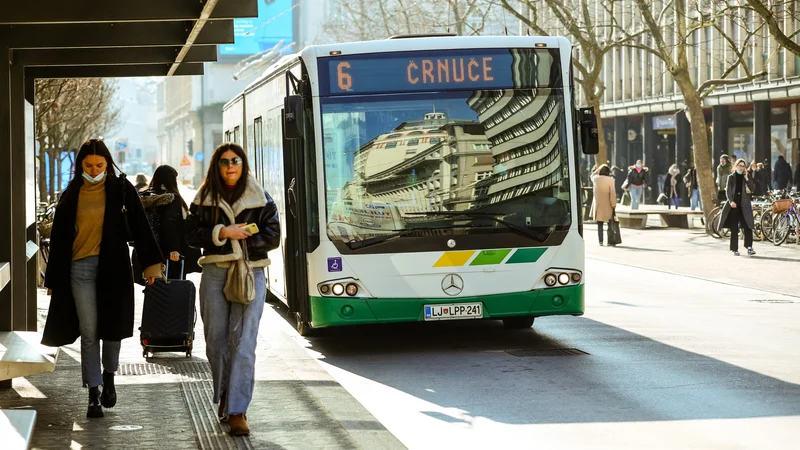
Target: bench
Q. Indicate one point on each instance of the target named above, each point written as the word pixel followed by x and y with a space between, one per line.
pixel 669 218
pixel 22 355
pixel 16 428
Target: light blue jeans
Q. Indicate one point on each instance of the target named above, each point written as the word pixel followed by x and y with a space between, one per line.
pixel 231 330
pixel 636 196
pixel 84 290
pixel 694 200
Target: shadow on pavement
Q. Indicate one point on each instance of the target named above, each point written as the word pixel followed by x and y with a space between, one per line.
pixel 625 378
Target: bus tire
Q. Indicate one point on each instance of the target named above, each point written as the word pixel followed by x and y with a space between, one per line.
pixel 518 323
pixel 304 328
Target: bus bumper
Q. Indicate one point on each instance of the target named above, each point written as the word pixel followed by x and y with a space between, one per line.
pixel 337 311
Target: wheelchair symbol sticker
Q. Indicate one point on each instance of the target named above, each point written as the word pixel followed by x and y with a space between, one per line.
pixel 335 264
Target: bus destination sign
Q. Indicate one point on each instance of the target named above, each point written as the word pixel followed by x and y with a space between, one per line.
pixel 438 70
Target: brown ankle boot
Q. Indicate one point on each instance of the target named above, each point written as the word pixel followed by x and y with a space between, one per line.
pixel 223 398
pixel 238 424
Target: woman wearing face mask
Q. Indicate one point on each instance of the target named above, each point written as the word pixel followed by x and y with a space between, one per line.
pixel 230 199
pixel 636 180
pixel 89 269
pixel 671 184
pixel 738 212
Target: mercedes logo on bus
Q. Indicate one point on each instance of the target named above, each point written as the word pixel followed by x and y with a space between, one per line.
pixel 452 284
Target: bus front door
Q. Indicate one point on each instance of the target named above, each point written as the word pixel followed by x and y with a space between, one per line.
pixel 296 248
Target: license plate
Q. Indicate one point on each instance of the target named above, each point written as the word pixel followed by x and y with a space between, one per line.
pixel 454 311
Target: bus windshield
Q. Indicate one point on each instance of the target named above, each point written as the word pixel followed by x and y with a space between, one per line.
pixel 399 162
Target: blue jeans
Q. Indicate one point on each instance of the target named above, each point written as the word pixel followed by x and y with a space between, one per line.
pixel 230 331
pixel 673 201
pixel 694 200
pixel 636 196
pixel 84 290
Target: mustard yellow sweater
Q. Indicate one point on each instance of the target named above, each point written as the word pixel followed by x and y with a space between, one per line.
pixel 89 225
pixel 89 220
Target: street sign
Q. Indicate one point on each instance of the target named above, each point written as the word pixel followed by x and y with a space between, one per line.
pixel 185 161
pixel 199 156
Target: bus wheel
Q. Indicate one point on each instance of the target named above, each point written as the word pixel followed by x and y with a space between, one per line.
pixel 304 328
pixel 518 323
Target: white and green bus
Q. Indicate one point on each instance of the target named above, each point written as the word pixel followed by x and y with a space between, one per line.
pixel 421 179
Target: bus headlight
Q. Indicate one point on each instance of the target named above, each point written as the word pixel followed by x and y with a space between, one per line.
pixel 338 289
pixel 576 277
pixel 351 289
pixel 324 289
pixel 563 278
pixel 550 279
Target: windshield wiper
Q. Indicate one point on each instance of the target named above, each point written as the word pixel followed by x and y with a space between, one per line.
pixel 355 245
pixel 538 236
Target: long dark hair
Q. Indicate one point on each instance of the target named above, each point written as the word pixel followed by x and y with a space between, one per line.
pixel 165 181
pixel 214 186
pixel 93 147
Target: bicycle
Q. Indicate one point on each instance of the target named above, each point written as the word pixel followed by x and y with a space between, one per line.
pixel 785 222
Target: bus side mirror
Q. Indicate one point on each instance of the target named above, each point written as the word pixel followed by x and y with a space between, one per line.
pixel 589 134
pixel 293 117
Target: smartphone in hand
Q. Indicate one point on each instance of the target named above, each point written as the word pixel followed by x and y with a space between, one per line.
pixel 251 228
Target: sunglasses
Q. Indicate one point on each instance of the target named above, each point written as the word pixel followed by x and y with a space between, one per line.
pixel 235 162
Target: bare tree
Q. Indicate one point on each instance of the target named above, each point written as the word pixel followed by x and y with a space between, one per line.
pixel 671 23
pixel 594 36
pixel 68 111
pixel 361 20
pixel 771 11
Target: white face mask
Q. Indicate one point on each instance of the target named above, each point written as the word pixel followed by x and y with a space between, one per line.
pixel 96 179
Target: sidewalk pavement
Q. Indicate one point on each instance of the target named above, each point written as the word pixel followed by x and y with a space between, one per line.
pixel 691 252
pixel 165 402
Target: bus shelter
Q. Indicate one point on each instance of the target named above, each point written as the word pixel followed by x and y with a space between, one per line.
pixel 86 38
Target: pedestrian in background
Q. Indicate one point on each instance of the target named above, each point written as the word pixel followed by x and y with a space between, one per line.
pixel 782 174
pixel 141 181
pixel 671 184
pixel 693 188
pixel 758 177
pixel 229 199
pixel 89 268
pixel 637 179
pixel 166 212
pixel 723 170
pixel 738 212
pixel 605 199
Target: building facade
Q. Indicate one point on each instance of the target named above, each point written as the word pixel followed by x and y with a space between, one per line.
pixel 642 106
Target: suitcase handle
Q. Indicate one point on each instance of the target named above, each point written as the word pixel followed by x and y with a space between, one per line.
pixel 183 267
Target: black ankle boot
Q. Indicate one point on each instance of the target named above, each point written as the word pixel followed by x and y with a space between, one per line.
pixel 95 410
pixel 109 397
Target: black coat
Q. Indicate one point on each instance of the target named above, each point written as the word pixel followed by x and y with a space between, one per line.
pixel 782 173
pixel 114 277
pixel 255 206
pixel 745 208
pixel 166 217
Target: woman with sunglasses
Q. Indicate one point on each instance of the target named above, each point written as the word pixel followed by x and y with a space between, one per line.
pixel 89 269
pixel 230 200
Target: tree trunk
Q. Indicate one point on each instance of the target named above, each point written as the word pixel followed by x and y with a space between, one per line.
pixel 702 151
pixel 58 172
pixel 602 155
pixel 52 173
pixel 42 161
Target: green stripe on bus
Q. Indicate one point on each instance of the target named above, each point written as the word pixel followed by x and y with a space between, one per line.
pixel 526 255
pixel 488 257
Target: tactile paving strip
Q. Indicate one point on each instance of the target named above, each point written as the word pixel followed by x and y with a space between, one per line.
pixel 198 393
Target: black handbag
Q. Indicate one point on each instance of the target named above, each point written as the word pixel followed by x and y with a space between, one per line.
pixel 614 236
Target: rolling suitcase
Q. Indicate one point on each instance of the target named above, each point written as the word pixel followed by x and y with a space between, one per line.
pixel 168 316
